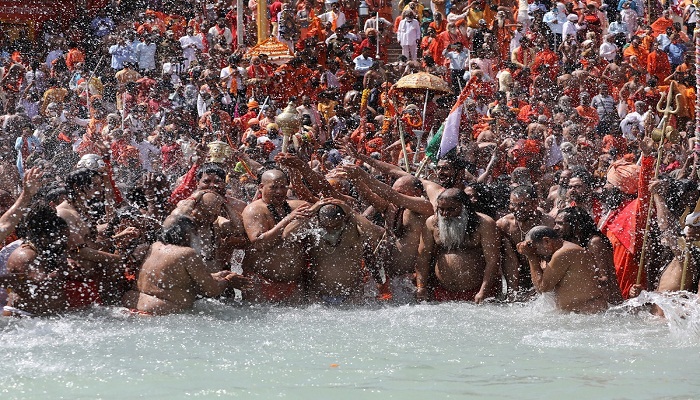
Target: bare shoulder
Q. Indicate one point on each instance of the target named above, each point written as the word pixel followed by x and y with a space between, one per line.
pixel 65 211
pixel 596 243
pixel 431 222
pixel 505 222
pixel 486 221
pixel 20 259
pixel 255 208
pixel 569 252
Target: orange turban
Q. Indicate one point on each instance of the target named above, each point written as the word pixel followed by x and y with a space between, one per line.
pixel 624 175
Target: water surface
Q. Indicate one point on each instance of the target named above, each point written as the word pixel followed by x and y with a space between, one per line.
pixel 434 351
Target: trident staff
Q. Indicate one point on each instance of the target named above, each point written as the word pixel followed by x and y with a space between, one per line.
pixel 662 135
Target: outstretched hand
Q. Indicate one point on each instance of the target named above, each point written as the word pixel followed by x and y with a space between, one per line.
pixel 350 150
pixel 239 282
pixel 289 161
pixel 32 182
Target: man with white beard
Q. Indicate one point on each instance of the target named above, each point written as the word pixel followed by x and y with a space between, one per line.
pixel 461 249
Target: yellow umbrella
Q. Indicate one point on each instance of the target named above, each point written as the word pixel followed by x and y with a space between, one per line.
pixel 422 81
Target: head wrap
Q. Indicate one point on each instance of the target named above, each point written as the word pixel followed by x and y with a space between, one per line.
pixel 624 175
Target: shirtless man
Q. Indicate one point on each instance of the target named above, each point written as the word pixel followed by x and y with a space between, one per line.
pixel 513 227
pixel 93 266
pixel 276 265
pixel 216 236
pixel 346 239
pixel 557 193
pixel 575 225
pixel 569 273
pixel 39 266
pixel 405 222
pixel 174 273
pixel 461 247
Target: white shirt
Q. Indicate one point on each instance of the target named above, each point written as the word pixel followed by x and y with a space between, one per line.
pixel 362 65
pixel 146 56
pixel 555 20
pixel 632 119
pixel 330 15
pixel 458 61
pixel 52 56
pixel 190 45
pixel 608 51
pixel 569 29
pixel 227 74
pixel 692 13
pixel 408 32
pixel 147 153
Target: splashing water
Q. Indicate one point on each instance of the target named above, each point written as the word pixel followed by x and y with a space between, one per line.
pixel 681 312
pixel 449 350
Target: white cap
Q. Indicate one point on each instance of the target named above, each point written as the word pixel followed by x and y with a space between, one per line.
pixel 91 161
pixel 572 17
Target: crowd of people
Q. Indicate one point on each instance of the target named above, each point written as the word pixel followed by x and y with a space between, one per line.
pixel 147 161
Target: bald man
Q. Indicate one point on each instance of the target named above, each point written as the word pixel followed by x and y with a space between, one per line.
pixel 462 248
pixel 337 240
pixel 274 264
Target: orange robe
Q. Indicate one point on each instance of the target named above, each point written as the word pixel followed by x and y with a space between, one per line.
pixel 658 65
pixel 625 229
pixel 639 52
pixel 660 25
pixel 589 114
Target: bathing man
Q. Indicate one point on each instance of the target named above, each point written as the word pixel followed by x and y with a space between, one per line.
pixel 569 273
pixel 462 248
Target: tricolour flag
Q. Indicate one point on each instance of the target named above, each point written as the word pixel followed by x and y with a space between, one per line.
pixel 450 135
pixel 433 148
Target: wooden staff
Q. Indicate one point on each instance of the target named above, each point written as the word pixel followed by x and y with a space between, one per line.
pixel 407 166
pixel 668 110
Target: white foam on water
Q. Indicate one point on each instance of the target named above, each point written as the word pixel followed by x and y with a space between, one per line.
pixel 449 350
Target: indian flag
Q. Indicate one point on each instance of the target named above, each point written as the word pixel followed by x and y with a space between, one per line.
pixel 450 135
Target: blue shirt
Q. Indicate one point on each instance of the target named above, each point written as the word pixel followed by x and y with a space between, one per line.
pixel 102 26
pixel 675 53
pixel 120 53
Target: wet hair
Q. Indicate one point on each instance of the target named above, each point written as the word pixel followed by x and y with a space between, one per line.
pixel 42 221
pixel 331 212
pixel 582 222
pixel 578 171
pixel 486 201
pixel 177 232
pixel 211 168
pixel 81 178
pixel 51 193
pixel 121 214
pixel 677 189
pixel 537 233
pixel 524 191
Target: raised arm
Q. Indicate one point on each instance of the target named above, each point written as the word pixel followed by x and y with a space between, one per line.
pixel 30 185
pixel 263 239
pixel 418 205
pixel 316 181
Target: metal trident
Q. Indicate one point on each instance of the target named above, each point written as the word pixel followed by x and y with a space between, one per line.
pixel 673 105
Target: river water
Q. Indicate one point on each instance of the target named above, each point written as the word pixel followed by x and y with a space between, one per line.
pixel 438 351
